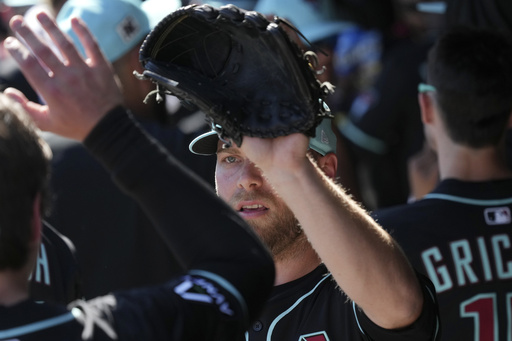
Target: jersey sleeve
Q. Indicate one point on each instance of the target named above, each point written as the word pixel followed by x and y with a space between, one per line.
pixel 426 328
pixel 194 306
pixel 203 231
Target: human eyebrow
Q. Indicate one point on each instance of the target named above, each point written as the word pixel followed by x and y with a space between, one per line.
pixel 228 149
pixel 225 147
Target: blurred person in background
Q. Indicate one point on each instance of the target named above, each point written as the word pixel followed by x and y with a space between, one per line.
pixel 10 75
pixel 459 234
pixel 382 125
pixel 88 207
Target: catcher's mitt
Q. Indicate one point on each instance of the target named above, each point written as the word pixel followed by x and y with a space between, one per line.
pixel 242 70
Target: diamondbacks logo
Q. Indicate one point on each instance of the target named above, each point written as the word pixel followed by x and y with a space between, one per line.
pixel 319 336
pixel 200 290
pixel 497 216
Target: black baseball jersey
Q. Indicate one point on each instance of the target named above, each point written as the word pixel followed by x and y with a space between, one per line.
pixel 91 211
pixel 460 235
pixel 56 277
pixel 212 300
pixel 193 307
pixel 313 308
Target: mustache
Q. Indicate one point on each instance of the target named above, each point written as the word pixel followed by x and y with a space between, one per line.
pixel 256 195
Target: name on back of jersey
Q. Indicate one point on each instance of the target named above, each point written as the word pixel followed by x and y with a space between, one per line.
pixel 41 273
pixel 469 261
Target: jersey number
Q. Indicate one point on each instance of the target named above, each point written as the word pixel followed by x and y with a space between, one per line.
pixel 483 309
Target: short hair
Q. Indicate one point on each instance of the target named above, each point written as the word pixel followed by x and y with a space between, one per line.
pixel 471 69
pixel 24 173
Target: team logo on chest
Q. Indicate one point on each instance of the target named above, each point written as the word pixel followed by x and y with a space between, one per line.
pixel 318 336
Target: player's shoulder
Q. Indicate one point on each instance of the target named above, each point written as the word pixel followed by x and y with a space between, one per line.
pixel 403 212
pixel 410 223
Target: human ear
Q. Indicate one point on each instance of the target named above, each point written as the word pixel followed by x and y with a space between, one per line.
pixel 329 164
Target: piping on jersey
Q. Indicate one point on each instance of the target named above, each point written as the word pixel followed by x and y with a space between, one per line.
pixel 438 323
pixel 478 202
pixel 226 285
pixel 284 313
pixel 36 326
pixel 357 319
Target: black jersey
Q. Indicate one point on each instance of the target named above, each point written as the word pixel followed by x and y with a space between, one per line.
pixel 460 235
pixel 215 299
pixel 91 211
pixel 313 308
pixel 172 311
pixel 56 276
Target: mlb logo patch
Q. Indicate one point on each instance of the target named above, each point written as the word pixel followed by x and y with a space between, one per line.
pixel 497 216
pixel 319 336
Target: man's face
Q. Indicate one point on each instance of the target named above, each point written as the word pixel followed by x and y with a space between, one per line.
pixel 240 183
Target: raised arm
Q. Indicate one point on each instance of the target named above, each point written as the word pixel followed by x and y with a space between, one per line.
pixel 83 102
pixel 365 261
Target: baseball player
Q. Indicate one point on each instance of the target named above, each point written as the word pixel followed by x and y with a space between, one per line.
pixel 339 276
pixel 227 271
pixel 459 234
pixel 307 303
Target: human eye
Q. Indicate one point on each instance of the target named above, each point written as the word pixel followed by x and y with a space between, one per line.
pixel 229 159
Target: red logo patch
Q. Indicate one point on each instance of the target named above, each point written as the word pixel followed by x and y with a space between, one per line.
pixel 320 336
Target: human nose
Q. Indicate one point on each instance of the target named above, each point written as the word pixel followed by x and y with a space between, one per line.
pixel 250 177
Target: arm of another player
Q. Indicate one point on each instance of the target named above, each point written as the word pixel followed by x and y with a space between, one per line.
pixel 365 261
pixel 82 99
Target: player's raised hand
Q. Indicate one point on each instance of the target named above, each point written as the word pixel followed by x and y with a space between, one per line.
pixel 77 91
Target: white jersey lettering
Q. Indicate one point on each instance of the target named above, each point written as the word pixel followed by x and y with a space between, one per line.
pixel 500 242
pixel 42 269
pixel 484 255
pixel 462 259
pixel 440 275
pixel 464 256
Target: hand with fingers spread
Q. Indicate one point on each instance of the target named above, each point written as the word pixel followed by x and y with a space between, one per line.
pixel 77 91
